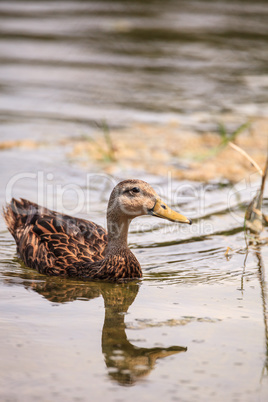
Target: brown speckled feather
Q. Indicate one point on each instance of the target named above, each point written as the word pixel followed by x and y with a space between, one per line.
pixel 57 244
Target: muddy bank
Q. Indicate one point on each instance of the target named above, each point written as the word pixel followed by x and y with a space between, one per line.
pixel 170 148
pixel 174 149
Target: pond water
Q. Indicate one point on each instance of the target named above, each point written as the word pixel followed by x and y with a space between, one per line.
pixel 195 327
pixel 66 65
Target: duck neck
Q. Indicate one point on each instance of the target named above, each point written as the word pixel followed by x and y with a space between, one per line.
pixel 117 233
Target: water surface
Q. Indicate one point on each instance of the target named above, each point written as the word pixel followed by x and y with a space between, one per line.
pixel 195 327
pixel 66 65
pixel 196 316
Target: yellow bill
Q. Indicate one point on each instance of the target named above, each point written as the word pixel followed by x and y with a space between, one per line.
pixel 161 210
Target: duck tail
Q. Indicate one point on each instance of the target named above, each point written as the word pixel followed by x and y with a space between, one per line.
pixel 17 214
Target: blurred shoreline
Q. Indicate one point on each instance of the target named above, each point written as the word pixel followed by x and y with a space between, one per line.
pixel 171 148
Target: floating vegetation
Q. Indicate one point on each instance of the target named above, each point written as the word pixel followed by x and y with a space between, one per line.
pixel 174 149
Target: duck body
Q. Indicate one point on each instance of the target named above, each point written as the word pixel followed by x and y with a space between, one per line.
pixel 61 245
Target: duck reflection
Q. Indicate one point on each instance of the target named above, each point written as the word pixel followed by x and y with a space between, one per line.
pixel 126 363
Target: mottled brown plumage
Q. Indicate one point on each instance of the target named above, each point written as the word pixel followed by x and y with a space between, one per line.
pixel 57 244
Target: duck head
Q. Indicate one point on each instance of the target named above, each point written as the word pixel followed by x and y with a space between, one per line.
pixel 132 198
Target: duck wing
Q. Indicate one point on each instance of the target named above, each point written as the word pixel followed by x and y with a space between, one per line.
pixel 51 242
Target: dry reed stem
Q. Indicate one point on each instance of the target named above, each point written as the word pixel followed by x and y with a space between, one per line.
pixel 242 152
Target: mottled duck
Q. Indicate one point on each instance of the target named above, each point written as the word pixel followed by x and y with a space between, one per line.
pixel 58 244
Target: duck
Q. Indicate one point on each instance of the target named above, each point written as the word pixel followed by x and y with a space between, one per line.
pixel 56 244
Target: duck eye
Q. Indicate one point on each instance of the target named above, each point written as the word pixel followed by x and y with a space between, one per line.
pixel 135 190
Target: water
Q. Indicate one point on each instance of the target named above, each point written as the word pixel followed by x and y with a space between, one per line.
pixel 195 327
pixel 196 316
pixel 66 65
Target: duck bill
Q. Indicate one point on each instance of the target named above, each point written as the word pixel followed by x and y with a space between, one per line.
pixel 161 210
